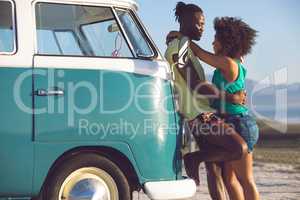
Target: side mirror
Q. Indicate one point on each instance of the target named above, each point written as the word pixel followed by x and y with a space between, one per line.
pixel 140 54
pixel 113 28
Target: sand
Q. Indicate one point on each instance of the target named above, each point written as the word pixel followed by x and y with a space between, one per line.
pixel 274 181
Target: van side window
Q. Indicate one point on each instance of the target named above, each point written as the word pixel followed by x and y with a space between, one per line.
pixel 78 31
pixel 7 29
pixel 136 36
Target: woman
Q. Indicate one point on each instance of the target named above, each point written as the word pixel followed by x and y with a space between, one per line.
pixel 233 40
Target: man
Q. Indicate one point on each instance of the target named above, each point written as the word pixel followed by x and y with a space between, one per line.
pixel 194 94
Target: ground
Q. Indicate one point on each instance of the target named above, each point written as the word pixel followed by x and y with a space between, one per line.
pixel 274 181
pixel 276 167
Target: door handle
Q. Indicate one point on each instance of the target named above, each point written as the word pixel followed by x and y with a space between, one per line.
pixel 53 92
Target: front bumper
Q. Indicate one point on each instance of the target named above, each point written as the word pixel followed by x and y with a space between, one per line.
pixel 177 189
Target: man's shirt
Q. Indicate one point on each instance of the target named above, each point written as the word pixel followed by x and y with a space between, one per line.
pixel 190 103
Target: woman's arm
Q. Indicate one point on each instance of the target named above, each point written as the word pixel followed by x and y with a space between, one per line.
pixel 227 65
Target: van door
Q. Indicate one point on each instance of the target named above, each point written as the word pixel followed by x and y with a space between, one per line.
pixel 16 141
pixel 87 73
pixel 74 45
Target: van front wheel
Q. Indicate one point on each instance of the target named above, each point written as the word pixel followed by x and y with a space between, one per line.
pixel 88 176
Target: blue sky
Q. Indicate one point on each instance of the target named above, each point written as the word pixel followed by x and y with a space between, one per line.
pixel 278 23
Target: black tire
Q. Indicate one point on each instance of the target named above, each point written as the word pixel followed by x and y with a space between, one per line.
pixel 82 165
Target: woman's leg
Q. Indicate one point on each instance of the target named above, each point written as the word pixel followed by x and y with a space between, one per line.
pixel 235 191
pixel 244 171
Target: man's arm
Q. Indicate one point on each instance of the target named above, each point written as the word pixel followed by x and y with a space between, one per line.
pixel 213 93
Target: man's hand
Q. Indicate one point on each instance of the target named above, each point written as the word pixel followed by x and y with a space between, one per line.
pixel 237 98
pixel 203 118
pixel 209 117
pixel 172 35
pixel 212 92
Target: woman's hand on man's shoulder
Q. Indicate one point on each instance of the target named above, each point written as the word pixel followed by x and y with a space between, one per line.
pixel 172 35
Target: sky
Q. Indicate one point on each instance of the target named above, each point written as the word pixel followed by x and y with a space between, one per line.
pixel 277 21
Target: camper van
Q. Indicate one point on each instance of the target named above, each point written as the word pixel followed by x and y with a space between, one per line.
pixel 86 104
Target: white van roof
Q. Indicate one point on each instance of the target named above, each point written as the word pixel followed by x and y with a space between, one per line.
pixel 122 3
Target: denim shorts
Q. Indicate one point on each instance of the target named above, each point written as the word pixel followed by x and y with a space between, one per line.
pixel 246 126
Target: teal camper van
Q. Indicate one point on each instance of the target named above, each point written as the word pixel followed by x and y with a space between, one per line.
pixel 87 110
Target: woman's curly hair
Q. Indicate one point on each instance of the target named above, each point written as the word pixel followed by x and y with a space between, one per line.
pixel 235 36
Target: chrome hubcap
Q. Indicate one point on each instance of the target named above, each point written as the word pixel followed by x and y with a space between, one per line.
pixel 89 184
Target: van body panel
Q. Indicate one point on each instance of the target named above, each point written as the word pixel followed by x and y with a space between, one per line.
pixel 129 108
pixel 55 150
pixel 16 147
